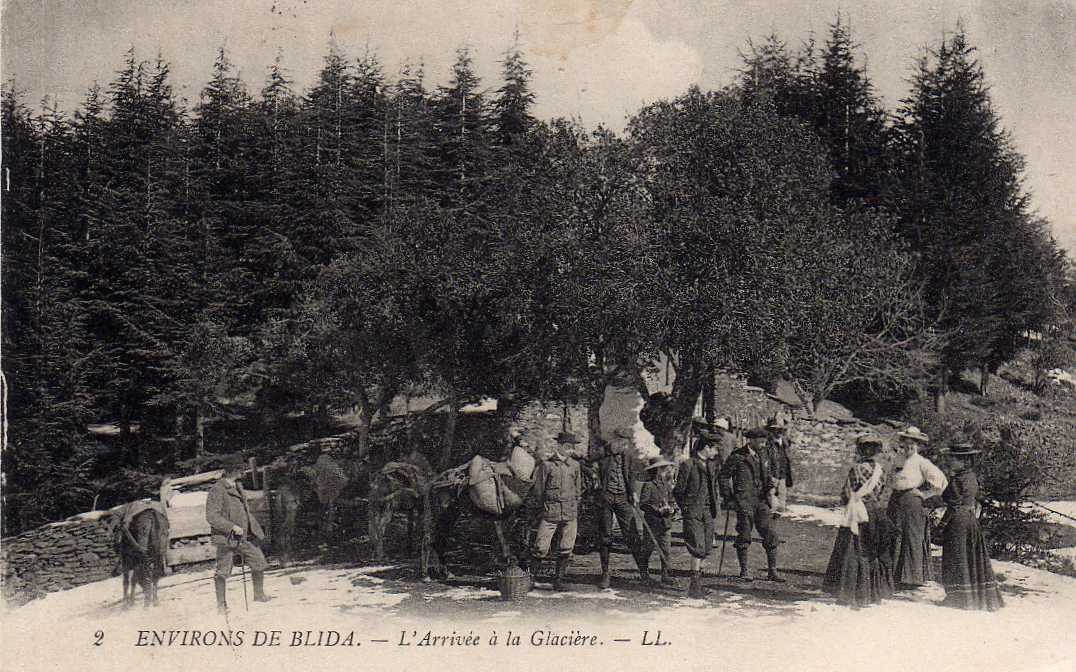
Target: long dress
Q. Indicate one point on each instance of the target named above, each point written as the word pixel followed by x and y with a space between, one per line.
pixel 966 571
pixel 860 570
pixel 911 545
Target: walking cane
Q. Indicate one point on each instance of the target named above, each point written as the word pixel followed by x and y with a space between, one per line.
pixel 233 539
pixel 640 517
pixel 724 540
pixel 243 567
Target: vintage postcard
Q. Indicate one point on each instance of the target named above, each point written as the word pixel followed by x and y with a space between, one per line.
pixel 562 334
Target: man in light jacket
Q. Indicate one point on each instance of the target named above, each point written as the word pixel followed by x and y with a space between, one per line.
pixel 233 528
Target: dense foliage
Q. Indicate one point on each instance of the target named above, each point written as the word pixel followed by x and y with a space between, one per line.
pixel 167 267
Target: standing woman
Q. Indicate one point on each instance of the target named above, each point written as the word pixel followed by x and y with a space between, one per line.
pixel 859 571
pixel 966 572
pixel 916 480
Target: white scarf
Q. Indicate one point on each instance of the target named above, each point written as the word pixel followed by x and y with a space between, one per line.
pixel 855 512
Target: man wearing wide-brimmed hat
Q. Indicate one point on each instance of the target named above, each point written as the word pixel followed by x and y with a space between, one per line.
pixel 233 528
pixel 658 506
pixel 558 485
pixel 619 469
pixel 914 481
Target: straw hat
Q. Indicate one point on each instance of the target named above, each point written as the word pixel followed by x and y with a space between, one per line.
pixel 865 443
pixel 913 433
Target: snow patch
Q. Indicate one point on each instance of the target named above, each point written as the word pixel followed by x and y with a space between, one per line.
pixel 465 593
pixel 1065 508
pixel 815 514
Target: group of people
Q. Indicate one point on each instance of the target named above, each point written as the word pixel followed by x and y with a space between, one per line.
pixel 642 497
pixel 881 549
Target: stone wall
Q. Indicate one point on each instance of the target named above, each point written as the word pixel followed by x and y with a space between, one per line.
pixel 539 424
pixel 823 451
pixel 57 556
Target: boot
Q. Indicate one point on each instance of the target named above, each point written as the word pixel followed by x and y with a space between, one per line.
pixel 222 595
pixel 745 572
pixel 258 579
pixel 771 561
pixel 695 589
pixel 607 575
pixel 558 580
pixel 666 578
pixel 644 573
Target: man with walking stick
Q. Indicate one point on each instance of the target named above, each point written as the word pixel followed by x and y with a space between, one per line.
pixel 657 504
pixel 696 492
pixel 619 468
pixel 746 482
pixel 233 526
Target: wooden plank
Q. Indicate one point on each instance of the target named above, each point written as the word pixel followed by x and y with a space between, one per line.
pixel 187 522
pixel 189 554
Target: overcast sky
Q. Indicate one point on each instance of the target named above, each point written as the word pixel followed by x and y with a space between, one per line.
pixel 595 59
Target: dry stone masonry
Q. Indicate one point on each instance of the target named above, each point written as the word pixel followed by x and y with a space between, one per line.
pixel 58 556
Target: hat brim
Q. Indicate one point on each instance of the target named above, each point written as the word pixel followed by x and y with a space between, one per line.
pixel 918 438
pixel 964 452
pixel 659 465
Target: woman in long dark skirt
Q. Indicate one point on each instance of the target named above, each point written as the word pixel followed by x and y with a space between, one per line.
pixel 966 571
pixel 859 571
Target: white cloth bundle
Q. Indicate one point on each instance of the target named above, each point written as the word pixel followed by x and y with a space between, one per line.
pixel 855 512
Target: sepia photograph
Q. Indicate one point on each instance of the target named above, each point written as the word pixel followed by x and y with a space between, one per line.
pixel 725 335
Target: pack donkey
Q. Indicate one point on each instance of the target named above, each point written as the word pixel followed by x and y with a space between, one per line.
pixel 143 543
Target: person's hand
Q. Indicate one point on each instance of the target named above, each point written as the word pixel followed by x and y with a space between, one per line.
pixel 238 531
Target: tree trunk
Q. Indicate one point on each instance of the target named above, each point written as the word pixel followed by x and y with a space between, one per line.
pixel 686 388
pixel 126 440
pixel 709 395
pixel 366 418
pixel 941 392
pixel 984 381
pixel 449 440
pixel 199 430
pixel 595 397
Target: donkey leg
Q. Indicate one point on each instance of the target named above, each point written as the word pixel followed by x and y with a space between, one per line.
pixel 442 534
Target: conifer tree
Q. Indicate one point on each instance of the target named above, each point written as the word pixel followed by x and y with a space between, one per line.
pixel 965 211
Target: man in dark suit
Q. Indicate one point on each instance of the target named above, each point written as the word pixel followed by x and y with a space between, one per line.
pixel 620 471
pixel 696 494
pixel 746 481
